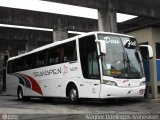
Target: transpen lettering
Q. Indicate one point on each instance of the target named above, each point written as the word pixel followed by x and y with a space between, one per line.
pixel 48 72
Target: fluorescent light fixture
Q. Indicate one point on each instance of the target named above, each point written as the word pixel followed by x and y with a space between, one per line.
pixel 25 27
pixel 36 28
pixel 76 32
pixel 124 17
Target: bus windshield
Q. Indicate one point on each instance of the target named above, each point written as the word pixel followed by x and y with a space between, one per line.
pixel 121 60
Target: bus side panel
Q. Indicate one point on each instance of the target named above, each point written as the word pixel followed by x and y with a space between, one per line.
pixel 78 82
pixel 12 83
pixel 70 73
pixel 48 87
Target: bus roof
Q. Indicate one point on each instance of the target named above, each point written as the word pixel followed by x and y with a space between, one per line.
pixel 64 41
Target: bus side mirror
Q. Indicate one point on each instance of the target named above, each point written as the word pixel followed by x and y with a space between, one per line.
pixel 102 44
pixel 146 51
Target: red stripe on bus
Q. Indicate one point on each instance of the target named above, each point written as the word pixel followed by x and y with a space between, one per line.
pixel 35 85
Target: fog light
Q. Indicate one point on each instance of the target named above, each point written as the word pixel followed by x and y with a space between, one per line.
pixel 142 91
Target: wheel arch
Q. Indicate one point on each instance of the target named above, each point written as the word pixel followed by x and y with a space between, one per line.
pixel 69 86
pixel 20 87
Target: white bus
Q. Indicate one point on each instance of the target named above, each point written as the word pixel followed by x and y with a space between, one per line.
pixel 92 65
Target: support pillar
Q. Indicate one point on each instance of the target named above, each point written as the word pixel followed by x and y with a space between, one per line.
pixel 3 62
pixel 13 52
pixel 30 45
pixel 59 35
pixel 107 20
pixel 153 72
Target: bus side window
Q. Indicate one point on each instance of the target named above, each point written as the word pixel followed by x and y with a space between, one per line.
pixel 69 51
pixel 9 67
pixel 13 66
pixel 29 62
pixel 61 55
pixel 53 56
pixel 19 64
pixel 41 59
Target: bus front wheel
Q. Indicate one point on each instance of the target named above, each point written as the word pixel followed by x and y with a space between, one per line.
pixel 73 95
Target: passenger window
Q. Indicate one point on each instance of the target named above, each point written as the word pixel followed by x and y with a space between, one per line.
pixel 19 64
pixel 9 67
pixel 69 52
pixel 53 56
pixel 41 58
pixel 30 62
pixel 63 53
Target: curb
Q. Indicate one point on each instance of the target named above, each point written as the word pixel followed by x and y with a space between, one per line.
pixel 152 100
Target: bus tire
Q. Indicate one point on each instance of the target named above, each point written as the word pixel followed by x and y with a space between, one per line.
pixel 73 95
pixel 20 94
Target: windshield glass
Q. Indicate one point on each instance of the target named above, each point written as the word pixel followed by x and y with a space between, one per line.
pixel 121 60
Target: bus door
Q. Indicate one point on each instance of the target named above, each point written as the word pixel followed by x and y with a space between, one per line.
pixel 93 75
pixel 90 66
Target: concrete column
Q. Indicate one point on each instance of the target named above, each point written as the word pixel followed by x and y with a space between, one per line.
pixel 153 72
pixel 107 20
pixel 13 52
pixel 30 45
pixel 59 35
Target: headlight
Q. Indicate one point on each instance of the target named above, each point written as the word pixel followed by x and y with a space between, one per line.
pixel 143 83
pixel 107 82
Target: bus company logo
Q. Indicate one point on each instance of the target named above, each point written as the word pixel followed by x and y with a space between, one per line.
pixel 65 70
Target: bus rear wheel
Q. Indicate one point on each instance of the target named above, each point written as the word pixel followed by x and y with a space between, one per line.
pixel 73 95
pixel 20 94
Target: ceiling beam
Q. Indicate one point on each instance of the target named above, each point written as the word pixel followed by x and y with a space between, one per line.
pixel 30 18
pixel 83 3
pixel 17 34
pixel 149 8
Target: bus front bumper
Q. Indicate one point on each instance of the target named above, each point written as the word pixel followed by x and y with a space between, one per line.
pixel 108 91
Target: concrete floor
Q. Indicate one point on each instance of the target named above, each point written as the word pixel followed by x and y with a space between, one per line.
pixel 59 109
